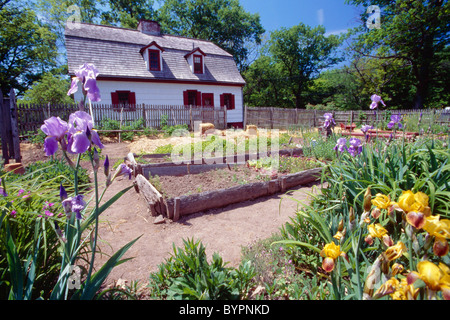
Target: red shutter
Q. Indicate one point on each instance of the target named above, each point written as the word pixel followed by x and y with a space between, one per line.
pixel 222 101
pixel 232 101
pixel 114 99
pixel 185 98
pixel 132 100
pixel 198 99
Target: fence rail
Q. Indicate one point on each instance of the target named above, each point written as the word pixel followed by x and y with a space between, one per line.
pixel 31 116
pixel 285 118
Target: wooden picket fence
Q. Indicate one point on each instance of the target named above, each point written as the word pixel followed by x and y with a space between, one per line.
pixel 30 117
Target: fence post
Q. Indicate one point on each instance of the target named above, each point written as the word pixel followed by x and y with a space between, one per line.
pixel 143 115
pixel 191 123
pixel 14 130
pixel 4 130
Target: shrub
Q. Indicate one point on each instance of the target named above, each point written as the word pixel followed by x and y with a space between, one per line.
pixel 58 172
pixel 187 275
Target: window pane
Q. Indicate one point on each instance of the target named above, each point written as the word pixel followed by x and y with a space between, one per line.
pixel 154 60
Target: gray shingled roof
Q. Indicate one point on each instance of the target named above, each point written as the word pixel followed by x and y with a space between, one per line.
pixel 115 53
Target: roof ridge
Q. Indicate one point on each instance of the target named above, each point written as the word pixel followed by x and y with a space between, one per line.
pixel 135 30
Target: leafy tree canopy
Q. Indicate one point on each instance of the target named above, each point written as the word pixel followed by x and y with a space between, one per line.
pixel 411 31
pixel 27 47
pixel 223 22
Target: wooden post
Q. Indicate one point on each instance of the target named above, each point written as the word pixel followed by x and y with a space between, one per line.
pixel 14 129
pixel 144 116
pixel 4 131
pixel 271 118
pixel 176 209
pixel 245 116
pixel 191 123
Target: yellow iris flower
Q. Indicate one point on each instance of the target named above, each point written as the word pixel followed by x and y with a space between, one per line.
pixel 410 201
pixel 330 252
pixel 436 277
pixel 381 201
pixel 396 251
pixel 440 229
pixel 378 231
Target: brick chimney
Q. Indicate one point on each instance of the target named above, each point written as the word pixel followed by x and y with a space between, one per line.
pixel 149 27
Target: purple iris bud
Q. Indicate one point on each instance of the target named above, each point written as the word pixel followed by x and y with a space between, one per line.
pixel 341 145
pixel 62 193
pixel 56 130
pixel 106 165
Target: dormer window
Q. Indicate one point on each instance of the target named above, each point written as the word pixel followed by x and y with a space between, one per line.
pixel 152 54
pixel 196 61
pixel 154 60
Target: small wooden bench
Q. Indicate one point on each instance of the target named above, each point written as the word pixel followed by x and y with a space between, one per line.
pixel 348 127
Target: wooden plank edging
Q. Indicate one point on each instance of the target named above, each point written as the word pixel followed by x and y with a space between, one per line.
pixel 189 204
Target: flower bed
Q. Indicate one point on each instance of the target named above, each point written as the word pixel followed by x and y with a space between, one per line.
pixel 175 194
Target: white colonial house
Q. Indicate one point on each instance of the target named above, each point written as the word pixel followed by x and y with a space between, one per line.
pixel 144 66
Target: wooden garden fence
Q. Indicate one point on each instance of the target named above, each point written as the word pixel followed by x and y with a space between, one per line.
pixel 30 117
pixel 286 118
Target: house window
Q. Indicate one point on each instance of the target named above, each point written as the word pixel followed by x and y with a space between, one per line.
pixel 198 64
pixel 154 60
pixel 192 98
pixel 208 100
pixel 227 101
pixel 123 99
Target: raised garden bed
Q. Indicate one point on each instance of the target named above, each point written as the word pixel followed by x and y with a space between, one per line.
pixel 212 185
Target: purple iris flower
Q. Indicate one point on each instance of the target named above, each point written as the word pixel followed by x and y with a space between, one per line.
pixel 375 100
pixel 74 204
pixel 125 170
pixel 341 145
pixel 355 147
pixel 82 133
pixel 395 119
pixel 56 130
pixel 329 121
pixel 87 75
pixel 365 128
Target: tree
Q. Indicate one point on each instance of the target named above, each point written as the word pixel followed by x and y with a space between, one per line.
pixel 127 13
pixel 411 31
pixel 49 89
pixel 297 55
pixel 223 22
pixel 27 47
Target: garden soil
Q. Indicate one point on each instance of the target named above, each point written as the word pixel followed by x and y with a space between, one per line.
pixel 225 231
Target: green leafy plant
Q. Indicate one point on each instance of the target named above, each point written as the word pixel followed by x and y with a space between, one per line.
pixel 187 275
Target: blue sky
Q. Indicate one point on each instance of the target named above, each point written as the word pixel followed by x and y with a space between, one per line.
pixel 334 15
